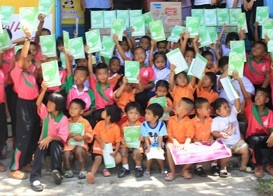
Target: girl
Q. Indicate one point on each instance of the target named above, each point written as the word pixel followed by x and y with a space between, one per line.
pixel 54 135
pixel 114 67
pixel 145 43
pixel 180 87
pixel 132 110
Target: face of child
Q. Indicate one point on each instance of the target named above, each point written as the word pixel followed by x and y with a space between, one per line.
pixel 114 66
pixel 189 55
pixel 82 62
pixel 28 61
pixel 160 63
pixel 75 110
pixel 80 77
pixel 180 109
pixel 224 110
pixel 210 61
pixel 204 110
pixel 149 116
pixel 139 55
pixel 45 33
pixel 102 75
pixel 161 91
pixel 175 45
pixel 128 87
pixel 206 82
pixel 145 43
pixel 133 115
pixel 181 80
pixel 162 47
pixel 222 70
pixel 261 98
pixel 32 50
pixel 51 107
pixel 258 50
pixel 60 48
pixel 124 45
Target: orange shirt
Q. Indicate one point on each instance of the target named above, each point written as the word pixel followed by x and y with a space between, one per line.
pixel 210 96
pixel 126 124
pixel 178 92
pixel 180 130
pixel 109 135
pixel 114 78
pixel 87 133
pixel 202 130
pixel 213 69
pixel 125 98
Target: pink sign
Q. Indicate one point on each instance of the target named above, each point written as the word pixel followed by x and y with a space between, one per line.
pixel 200 153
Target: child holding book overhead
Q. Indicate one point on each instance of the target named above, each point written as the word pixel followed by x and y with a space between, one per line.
pixel 132 111
pixel 153 130
pixel 180 132
pixel 105 131
pixel 77 143
pixel 145 43
pixel 114 67
pixel 54 135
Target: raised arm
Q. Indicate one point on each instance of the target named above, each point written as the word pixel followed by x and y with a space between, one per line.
pixel 219 41
pixel 153 47
pixel 256 31
pixel 40 98
pixel 121 88
pixel 130 44
pixel 25 49
pixel 119 48
pixel 41 18
pixel 184 41
pixel 246 95
pixel 90 65
pixel 171 79
pixel 195 44
pixel 68 65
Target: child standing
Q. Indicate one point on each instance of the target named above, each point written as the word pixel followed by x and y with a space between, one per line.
pixel 54 135
pixel 76 110
pixel 153 130
pixel 132 111
pixel 105 131
pixel 180 132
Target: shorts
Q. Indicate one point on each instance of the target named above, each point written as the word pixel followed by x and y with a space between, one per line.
pixel 94 155
pixel 236 147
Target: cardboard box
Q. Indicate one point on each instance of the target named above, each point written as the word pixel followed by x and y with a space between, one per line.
pixel 169 12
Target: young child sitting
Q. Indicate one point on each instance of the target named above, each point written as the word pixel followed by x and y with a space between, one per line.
pixel 54 135
pixel 132 111
pixel 153 130
pixel 105 131
pixel 225 127
pixel 114 67
pixel 180 132
pixel 76 109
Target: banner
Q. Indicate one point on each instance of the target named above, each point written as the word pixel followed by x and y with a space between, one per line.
pixel 71 10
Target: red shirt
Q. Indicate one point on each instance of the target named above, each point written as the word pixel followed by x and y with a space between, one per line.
pixel 2 87
pixel 7 65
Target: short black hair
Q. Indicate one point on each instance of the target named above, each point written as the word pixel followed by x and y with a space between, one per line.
pixel 132 105
pixel 158 54
pixel 139 47
pixel 47 30
pixel 183 73
pixel 223 61
pixel 59 41
pixel 199 101
pixel 33 43
pixel 190 49
pixel 189 102
pixel 114 112
pixel 213 78
pixel 156 109
pixel 163 41
pixel 146 37
pixel 114 58
pixel 207 53
pixel 101 66
pixel 263 90
pixel 232 36
pixel 263 44
pixel 162 83
pixel 82 68
pixel 218 103
pixel 80 102
pixel 59 101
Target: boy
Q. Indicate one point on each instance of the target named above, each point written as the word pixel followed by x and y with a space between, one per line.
pixel 76 110
pixel 153 130
pixel 180 131
pixel 105 131
pixel 260 126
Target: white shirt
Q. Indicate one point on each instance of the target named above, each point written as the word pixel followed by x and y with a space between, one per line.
pixel 202 2
pixel 230 3
pixel 127 53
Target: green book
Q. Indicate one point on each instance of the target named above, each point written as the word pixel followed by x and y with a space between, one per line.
pixel 199 13
pixel 1 28
pixel 45 7
pixel 157 30
pixel 241 22
pixel 176 58
pixel 132 71
pixel 77 48
pixel 28 18
pixel 48 45
pixel 236 63
pixel 204 37
pixel 161 101
pixel 5 41
pixel 117 28
pixel 50 72
pixel 210 17
pixel 193 26
pixel 109 161
pixel 213 34
pixel 6 13
pixel 198 66
pixel 134 13
pixel 269 34
pixel 66 42
pixel 270 46
pixel 267 26
pixel 131 136
pixel 93 41
pixel 96 19
pixel 238 47
pixel 148 18
pixel 76 128
pixel 233 14
pixel 229 89
pixel 138 24
pixel 124 15
pixel 262 13
pixel 175 34
pixel 222 16
pixel 108 46
pixel 108 17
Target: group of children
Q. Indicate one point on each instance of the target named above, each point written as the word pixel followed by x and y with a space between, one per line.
pixel 98 96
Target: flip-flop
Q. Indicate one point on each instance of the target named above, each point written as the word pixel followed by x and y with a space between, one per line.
pixel 106 173
pixel 169 177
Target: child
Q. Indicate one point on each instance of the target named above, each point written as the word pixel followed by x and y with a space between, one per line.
pixel 179 86
pixel 259 129
pixel 202 131
pixel 225 127
pixel 76 109
pixel 180 131
pixel 105 131
pixel 114 67
pixel 61 52
pixel 153 130
pixel 132 111
pixel 210 67
pixel 27 119
pixel 145 43
pixel 52 139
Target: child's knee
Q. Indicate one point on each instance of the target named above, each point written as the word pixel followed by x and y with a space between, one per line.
pixel 137 156
pixel 118 158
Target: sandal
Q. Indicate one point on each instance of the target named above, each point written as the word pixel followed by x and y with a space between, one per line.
pixel 106 173
pixel 169 176
pixel 68 174
pixel 246 170
pixel 90 178
pixel 17 174
pixel 82 175
pixel 186 174
pixel 269 169
pixel 223 174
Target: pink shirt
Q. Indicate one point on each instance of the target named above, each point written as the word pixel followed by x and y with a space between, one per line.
pixel 53 127
pixel 146 75
pixel 2 87
pixel 7 65
pixel 24 83
pixel 108 99
pixel 271 84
